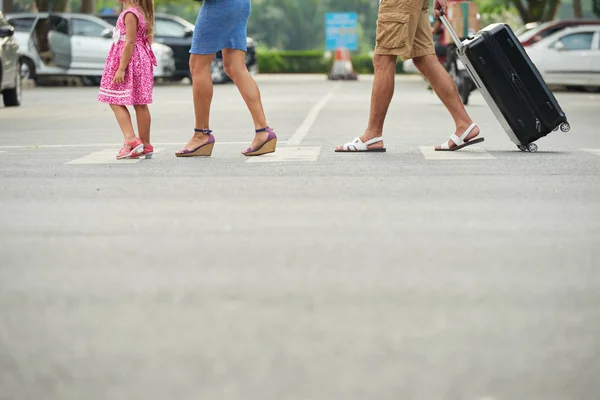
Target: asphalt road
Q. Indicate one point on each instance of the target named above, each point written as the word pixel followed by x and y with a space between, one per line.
pixel 301 275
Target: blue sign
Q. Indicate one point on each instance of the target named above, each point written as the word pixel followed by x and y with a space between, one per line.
pixel 341 30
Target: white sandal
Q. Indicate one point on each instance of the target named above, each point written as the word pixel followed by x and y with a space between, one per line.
pixel 357 145
pixel 459 142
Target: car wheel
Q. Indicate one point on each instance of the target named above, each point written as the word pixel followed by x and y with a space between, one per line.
pixel 591 89
pixel 12 97
pixel 217 72
pixel 28 69
pixel 91 80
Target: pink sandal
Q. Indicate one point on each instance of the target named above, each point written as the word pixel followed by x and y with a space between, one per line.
pixel 130 149
pixel 146 153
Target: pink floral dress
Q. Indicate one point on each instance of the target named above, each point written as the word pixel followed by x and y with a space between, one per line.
pixel 139 75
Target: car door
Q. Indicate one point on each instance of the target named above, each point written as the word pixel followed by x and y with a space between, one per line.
pixel 52 42
pixel 91 42
pixel 8 53
pixel 568 60
pixel 595 75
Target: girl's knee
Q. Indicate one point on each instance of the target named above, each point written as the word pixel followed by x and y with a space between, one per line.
pixel 140 107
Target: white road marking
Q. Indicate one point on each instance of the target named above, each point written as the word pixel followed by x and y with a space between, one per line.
pixel 289 154
pixel 468 153
pixel 117 145
pixel 593 151
pixel 310 119
pixel 106 156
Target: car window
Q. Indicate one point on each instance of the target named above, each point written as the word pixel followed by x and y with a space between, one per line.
pixel 577 41
pixel 84 27
pixel 59 24
pixel 167 28
pixel 111 19
pixel 22 24
pixel 552 31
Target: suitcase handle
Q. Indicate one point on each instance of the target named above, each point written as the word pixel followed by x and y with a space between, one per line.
pixel 451 30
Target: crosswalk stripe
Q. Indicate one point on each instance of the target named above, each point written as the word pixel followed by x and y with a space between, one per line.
pixel 593 151
pixel 106 156
pixel 468 153
pixel 289 154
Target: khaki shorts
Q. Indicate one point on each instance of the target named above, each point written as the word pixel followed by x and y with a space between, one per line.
pixel 403 29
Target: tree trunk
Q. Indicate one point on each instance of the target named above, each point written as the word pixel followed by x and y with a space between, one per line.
pixel 552 10
pixel 577 10
pixel 57 5
pixel 537 10
pixel 522 11
pixel 88 7
pixel 7 6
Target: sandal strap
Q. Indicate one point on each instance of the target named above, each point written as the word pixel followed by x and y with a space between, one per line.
pixel 266 128
pixel 357 145
pixel 458 140
pixel 207 131
pixel 469 129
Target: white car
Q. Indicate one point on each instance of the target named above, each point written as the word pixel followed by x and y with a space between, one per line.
pixel 570 57
pixel 64 44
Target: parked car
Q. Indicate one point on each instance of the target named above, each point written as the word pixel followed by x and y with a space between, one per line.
pixel 10 78
pixel 64 44
pixel 526 28
pixel 544 30
pixel 570 57
pixel 176 33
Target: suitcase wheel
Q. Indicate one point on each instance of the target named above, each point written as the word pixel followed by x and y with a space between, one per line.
pixel 531 147
pixel 565 127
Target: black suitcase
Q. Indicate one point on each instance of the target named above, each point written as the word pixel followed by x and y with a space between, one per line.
pixel 511 84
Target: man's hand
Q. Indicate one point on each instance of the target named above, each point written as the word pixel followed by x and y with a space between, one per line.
pixel 120 76
pixel 439 4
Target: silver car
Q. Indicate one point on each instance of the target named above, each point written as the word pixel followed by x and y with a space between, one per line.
pixel 68 44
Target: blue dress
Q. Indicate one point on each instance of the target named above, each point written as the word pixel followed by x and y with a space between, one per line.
pixel 221 24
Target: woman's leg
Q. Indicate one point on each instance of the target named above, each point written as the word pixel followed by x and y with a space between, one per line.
pixel 234 62
pixel 142 113
pixel 203 92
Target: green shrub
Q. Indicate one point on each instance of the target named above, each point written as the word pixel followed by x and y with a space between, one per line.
pixel 309 62
pixel 292 62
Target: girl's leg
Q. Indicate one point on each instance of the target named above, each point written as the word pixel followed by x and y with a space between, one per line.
pixel 124 120
pixel 234 62
pixel 142 113
pixel 203 92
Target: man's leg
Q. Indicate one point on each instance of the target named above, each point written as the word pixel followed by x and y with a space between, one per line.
pixel 444 87
pixel 381 96
pixel 384 83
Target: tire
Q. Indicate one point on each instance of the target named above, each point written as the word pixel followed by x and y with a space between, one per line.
pixel 464 88
pixel 90 80
pixel 217 72
pixel 591 89
pixel 12 97
pixel 28 69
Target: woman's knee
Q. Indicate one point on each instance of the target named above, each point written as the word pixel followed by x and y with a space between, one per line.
pixel 234 69
pixel 199 64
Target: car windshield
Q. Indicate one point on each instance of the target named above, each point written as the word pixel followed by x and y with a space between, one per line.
pixel 533 32
pixel 24 24
pixel 526 28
